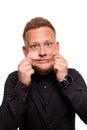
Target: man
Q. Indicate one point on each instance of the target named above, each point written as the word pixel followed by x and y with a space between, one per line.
pixel 44 94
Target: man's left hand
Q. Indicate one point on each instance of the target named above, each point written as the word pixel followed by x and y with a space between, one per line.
pixel 60 67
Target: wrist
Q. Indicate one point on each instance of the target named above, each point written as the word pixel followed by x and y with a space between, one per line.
pixel 66 81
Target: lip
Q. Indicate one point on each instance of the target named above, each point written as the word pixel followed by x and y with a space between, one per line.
pixel 42 60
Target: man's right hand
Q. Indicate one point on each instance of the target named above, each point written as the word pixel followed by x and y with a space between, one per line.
pixel 25 71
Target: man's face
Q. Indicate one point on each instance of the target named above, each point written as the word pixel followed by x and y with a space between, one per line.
pixel 41 47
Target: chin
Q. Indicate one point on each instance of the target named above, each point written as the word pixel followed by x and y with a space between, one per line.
pixel 43 71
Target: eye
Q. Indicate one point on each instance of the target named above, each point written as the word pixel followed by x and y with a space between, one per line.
pixel 34 46
pixel 49 44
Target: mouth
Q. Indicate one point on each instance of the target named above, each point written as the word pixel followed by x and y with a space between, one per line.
pixel 42 61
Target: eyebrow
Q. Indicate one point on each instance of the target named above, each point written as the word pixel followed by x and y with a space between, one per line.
pixel 43 42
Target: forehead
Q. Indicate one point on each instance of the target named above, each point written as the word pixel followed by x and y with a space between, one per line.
pixel 42 33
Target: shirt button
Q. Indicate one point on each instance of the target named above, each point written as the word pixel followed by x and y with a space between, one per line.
pixel 45 86
pixel 46 103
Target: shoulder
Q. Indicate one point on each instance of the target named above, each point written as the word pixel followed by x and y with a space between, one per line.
pixel 13 74
pixel 76 75
pixel 12 77
pixel 73 71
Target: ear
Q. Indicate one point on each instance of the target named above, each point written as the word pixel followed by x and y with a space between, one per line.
pixel 24 50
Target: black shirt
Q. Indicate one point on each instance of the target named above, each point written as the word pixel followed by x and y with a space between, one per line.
pixel 44 105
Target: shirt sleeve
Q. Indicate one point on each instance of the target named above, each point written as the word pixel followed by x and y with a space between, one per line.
pixel 77 94
pixel 14 103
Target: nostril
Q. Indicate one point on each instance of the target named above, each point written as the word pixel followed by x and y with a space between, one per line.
pixel 42 55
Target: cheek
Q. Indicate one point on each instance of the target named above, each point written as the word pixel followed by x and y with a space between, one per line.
pixel 53 52
pixel 32 55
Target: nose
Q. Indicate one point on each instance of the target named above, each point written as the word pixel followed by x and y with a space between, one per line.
pixel 42 51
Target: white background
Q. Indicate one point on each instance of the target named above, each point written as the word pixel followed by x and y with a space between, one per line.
pixel 70 20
